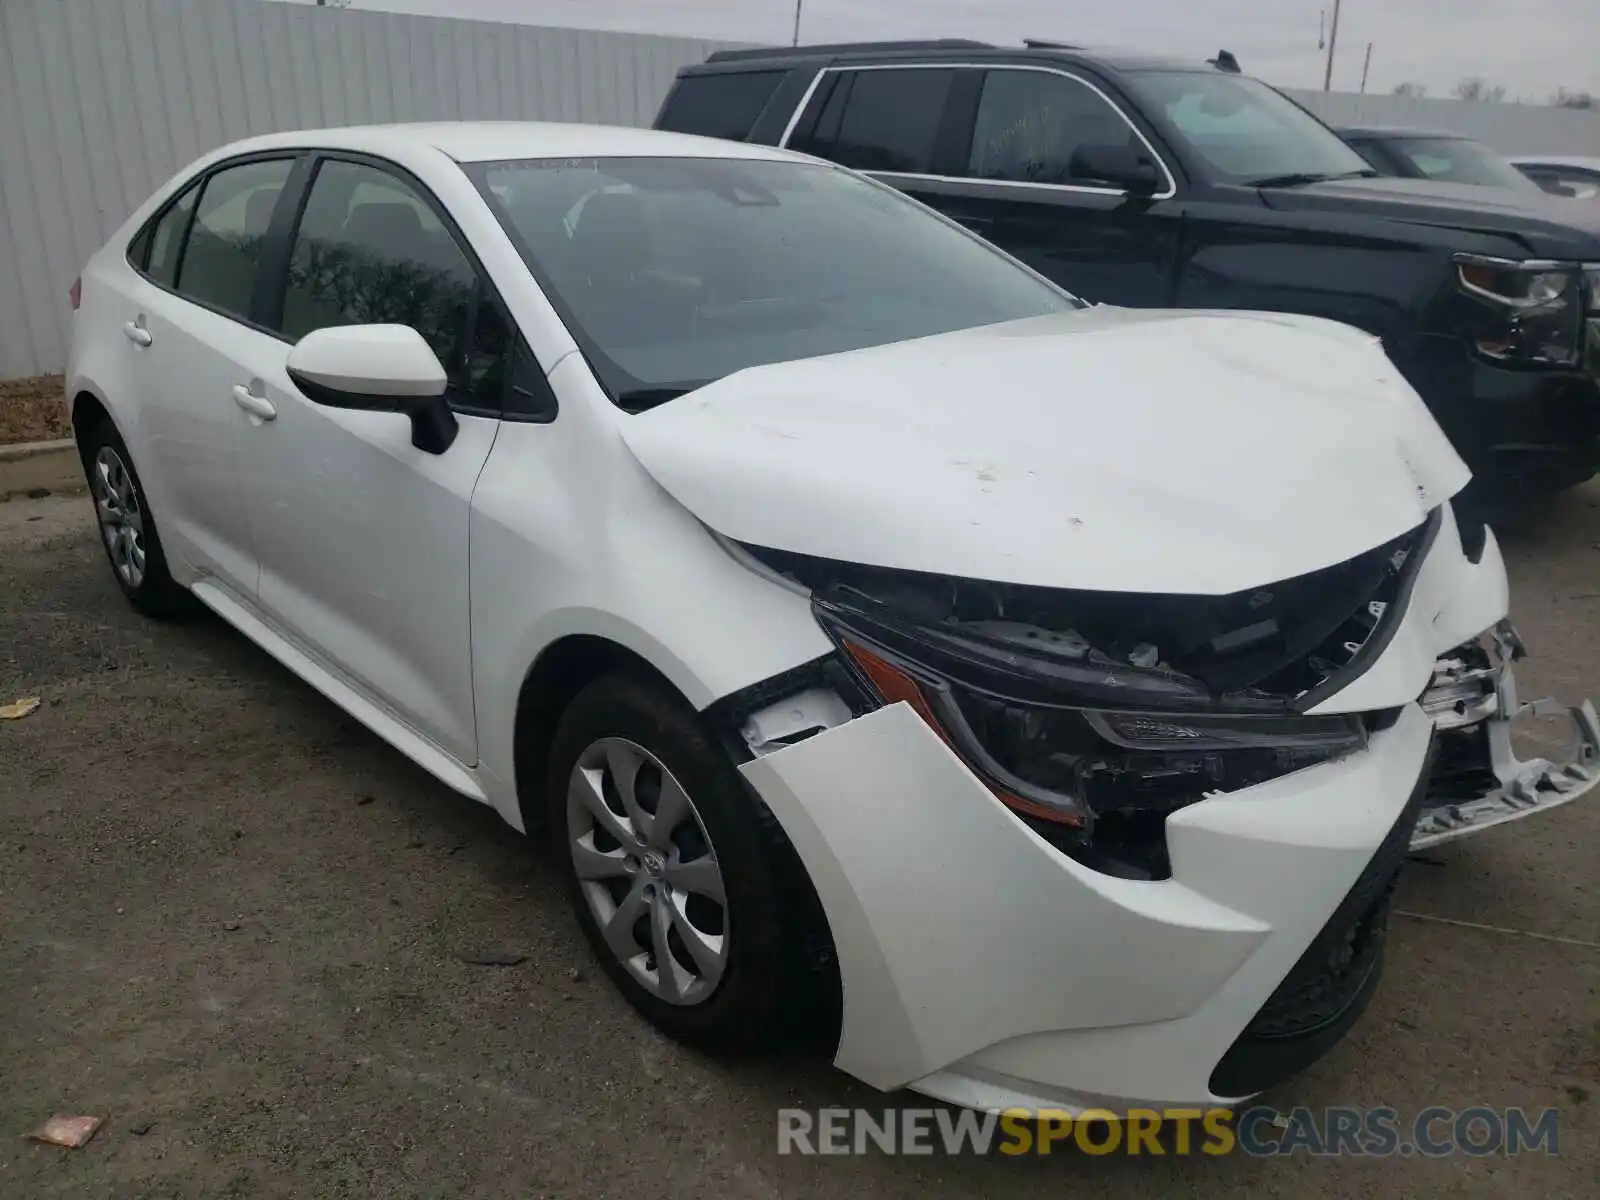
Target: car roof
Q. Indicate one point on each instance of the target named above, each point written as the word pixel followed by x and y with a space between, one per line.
pixel 1398 131
pixel 1109 58
pixel 1558 160
pixel 487 141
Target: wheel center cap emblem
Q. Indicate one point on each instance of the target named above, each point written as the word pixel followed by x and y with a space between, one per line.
pixel 654 864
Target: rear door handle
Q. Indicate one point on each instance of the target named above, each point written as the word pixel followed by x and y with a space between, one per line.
pixel 256 406
pixel 137 333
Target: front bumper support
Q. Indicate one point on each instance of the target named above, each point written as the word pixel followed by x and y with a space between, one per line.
pixel 1472 698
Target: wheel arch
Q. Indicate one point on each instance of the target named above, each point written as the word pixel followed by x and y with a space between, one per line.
pixel 86 409
pixel 567 665
pixel 563 669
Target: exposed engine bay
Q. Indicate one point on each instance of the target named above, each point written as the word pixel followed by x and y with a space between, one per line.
pixel 1268 649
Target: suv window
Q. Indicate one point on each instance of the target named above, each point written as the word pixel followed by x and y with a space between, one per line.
pixel 217 265
pixel 882 120
pixel 371 250
pixel 723 105
pixel 1030 123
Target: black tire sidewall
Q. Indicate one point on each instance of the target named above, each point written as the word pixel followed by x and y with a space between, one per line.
pixel 746 1009
pixel 158 594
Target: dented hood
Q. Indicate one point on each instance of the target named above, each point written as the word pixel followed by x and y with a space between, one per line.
pixel 1105 449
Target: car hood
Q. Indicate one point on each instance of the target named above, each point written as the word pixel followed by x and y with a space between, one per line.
pixel 1105 449
pixel 1549 226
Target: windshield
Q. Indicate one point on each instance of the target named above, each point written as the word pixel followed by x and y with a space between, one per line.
pixel 672 272
pixel 1458 160
pixel 1244 131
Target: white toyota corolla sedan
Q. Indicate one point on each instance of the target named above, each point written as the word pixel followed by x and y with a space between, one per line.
pixel 1044 696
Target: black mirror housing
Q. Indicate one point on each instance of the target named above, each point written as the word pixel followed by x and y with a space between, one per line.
pixel 1120 166
pixel 433 424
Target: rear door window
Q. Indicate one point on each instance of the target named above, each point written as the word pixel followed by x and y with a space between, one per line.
pixel 218 263
pixel 884 119
pixel 724 105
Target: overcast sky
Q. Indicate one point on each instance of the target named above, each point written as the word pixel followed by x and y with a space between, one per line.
pixel 1530 46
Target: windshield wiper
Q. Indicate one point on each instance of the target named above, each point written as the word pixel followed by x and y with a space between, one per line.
pixel 1298 178
pixel 638 400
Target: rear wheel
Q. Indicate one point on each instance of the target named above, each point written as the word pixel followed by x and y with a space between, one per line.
pixel 127 529
pixel 668 866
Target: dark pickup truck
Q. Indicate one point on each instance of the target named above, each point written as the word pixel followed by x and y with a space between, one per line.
pixel 1153 183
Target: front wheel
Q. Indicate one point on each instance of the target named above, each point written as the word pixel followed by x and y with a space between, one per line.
pixel 668 865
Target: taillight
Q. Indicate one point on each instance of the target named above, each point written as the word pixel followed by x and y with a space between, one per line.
pixel 75 293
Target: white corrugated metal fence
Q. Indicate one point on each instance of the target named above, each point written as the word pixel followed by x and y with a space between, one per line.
pixel 102 100
pixel 1509 128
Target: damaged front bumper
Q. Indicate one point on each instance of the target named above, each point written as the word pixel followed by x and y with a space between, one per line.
pixel 988 964
pixel 1480 782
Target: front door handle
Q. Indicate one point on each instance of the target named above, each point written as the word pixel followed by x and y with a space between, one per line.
pixel 257 406
pixel 137 333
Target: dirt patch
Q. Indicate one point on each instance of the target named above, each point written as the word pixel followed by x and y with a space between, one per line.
pixel 31 410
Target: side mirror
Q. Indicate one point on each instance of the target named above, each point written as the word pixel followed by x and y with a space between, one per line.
pixel 1118 166
pixel 377 368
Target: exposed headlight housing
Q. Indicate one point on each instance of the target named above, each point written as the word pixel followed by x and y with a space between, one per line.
pixel 1537 308
pixel 1073 741
pixel 1094 715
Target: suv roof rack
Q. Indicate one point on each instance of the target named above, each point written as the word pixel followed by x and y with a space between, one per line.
pixel 1045 44
pixel 846 48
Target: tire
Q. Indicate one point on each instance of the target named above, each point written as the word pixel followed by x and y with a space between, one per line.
pixel 761 984
pixel 127 528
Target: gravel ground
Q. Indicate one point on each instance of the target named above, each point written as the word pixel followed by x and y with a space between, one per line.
pixel 233 924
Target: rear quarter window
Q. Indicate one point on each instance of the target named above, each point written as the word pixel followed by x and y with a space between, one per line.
pixel 724 105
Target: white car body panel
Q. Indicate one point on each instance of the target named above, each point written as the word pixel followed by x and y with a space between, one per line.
pixel 1193 452
pixel 1255 875
pixel 193 449
pixel 327 679
pixel 1228 441
pixel 374 501
pixel 613 558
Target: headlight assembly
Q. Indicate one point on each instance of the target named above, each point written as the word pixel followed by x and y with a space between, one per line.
pixel 1094 715
pixel 1537 308
pixel 1074 740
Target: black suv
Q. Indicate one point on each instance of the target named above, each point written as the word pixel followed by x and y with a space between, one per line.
pixel 1147 182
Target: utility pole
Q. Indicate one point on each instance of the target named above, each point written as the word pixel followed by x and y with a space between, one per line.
pixel 1365 67
pixel 1333 41
pixel 797 4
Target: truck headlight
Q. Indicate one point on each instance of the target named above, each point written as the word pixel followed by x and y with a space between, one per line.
pixel 1536 308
